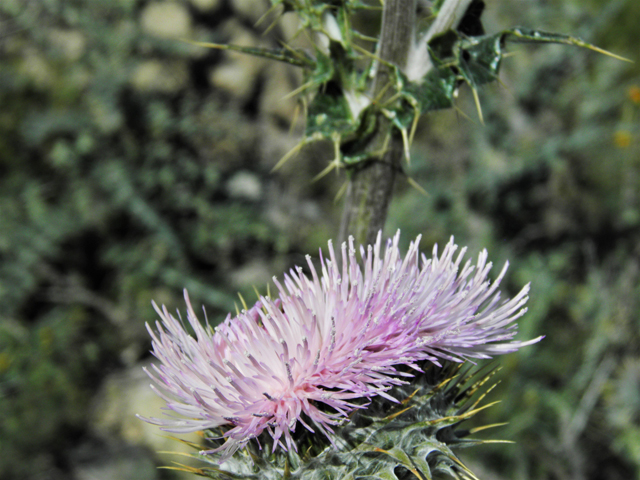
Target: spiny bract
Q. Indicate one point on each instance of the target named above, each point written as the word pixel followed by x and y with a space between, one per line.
pixel 414 438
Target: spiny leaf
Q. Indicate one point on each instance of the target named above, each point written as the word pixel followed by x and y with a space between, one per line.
pixel 538 36
pixel 299 58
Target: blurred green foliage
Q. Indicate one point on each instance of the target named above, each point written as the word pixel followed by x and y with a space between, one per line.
pixel 116 156
pixel 112 193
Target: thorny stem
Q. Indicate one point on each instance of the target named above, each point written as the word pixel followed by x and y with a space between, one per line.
pixel 369 190
pixel 370 187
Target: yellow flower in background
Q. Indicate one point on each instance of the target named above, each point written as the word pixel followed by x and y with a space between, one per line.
pixel 634 94
pixel 622 138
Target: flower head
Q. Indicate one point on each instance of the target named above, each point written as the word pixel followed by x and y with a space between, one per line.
pixel 331 337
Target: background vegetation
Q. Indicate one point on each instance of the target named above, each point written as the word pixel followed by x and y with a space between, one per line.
pixel 133 165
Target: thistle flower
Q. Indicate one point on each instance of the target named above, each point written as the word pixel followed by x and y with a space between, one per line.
pixel 329 342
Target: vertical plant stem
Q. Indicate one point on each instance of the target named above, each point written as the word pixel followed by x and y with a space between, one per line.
pixel 370 187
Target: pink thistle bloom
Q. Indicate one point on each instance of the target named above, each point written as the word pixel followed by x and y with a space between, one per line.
pixel 331 337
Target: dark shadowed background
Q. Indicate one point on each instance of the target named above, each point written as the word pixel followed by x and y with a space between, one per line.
pixel 133 165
